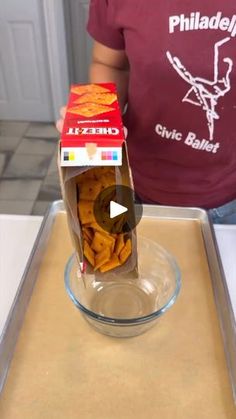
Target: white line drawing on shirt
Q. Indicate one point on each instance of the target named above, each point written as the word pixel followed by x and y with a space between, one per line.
pixel 207 92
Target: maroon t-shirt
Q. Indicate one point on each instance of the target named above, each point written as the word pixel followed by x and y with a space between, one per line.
pixel 181 113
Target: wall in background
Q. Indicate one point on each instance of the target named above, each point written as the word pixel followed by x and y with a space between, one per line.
pixel 33 60
pixel 79 43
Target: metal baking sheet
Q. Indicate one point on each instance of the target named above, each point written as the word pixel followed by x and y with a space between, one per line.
pixel 223 303
pixel 219 284
pixel 16 314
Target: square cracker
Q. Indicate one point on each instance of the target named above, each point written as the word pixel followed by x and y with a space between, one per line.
pixel 87 88
pixel 90 109
pixel 111 264
pixel 102 257
pixel 103 98
pixel 86 214
pixel 89 189
pixel 125 252
pixel 102 241
pixel 120 243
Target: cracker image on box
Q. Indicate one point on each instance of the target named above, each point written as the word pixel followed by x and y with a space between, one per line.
pixel 102 98
pixel 89 88
pixel 90 109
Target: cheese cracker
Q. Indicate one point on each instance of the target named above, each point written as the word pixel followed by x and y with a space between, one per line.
pixel 120 243
pixel 102 257
pixel 125 252
pixel 89 253
pixel 101 98
pixel 89 189
pixel 88 88
pixel 86 214
pixel 111 264
pixel 101 241
pixel 90 109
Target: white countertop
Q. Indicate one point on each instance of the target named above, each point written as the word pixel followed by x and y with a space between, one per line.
pixel 17 236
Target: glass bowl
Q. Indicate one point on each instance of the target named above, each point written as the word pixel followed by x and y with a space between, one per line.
pixel 125 307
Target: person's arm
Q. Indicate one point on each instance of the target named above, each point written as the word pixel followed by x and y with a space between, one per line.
pixel 110 65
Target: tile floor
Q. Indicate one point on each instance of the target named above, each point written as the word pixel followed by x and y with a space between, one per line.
pixel 28 171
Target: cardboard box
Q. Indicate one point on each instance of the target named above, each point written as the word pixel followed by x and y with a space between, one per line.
pixel 93 137
pixel 93 133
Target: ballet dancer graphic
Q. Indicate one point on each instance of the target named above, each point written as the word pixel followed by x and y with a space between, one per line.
pixel 206 92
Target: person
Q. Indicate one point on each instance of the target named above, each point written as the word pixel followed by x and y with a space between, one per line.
pixel 175 70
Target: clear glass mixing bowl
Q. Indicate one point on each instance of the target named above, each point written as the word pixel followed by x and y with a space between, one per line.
pixel 125 307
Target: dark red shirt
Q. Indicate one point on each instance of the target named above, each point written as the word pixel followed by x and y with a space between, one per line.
pixel 181 113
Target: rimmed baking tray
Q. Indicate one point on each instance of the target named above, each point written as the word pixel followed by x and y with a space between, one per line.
pixel 186 345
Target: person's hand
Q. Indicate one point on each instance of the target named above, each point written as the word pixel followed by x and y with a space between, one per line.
pixel 60 122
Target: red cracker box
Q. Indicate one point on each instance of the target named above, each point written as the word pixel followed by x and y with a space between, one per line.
pixel 93 133
pixel 93 137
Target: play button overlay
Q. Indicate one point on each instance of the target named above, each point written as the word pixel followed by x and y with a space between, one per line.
pixel 116 210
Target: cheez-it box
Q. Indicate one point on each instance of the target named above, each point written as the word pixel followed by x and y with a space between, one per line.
pixel 93 169
pixel 93 133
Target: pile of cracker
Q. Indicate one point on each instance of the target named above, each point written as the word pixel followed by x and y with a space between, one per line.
pixel 105 249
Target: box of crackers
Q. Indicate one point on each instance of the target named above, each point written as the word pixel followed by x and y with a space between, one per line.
pixel 93 132
pixel 93 165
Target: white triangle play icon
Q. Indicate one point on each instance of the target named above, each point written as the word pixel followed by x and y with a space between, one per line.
pixel 116 209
